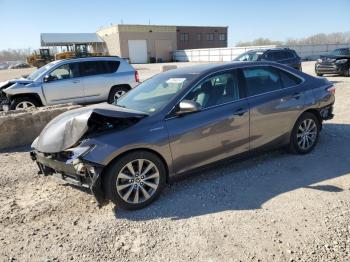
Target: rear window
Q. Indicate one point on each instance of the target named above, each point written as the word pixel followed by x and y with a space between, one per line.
pixel 261 80
pixel 288 79
pixel 98 67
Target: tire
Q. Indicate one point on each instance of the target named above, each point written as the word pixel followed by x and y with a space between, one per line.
pixel 310 135
pixel 23 103
pixel 136 191
pixel 318 74
pixel 117 92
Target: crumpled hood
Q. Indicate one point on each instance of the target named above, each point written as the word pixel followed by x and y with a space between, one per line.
pixel 65 130
pixel 9 83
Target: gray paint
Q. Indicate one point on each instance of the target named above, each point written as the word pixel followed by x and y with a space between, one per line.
pixel 197 139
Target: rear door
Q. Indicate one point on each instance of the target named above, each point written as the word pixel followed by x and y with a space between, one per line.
pixel 98 79
pixel 219 130
pixel 275 98
pixel 64 85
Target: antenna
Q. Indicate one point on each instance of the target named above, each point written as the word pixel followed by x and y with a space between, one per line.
pixel 149 21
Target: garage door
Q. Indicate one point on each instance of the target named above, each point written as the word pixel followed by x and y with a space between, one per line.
pixel 137 51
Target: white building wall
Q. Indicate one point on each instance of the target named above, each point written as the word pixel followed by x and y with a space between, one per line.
pixel 310 52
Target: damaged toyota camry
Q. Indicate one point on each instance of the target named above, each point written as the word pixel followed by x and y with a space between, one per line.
pixel 182 120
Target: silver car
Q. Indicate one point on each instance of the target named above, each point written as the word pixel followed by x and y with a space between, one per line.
pixel 182 120
pixel 79 80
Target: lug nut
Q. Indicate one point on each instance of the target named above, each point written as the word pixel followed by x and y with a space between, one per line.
pixel 142 177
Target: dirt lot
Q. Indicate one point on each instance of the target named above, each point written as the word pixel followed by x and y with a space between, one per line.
pixel 272 207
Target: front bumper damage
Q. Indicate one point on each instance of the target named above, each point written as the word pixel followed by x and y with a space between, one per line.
pixel 77 172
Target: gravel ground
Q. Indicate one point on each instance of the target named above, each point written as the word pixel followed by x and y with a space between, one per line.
pixel 271 207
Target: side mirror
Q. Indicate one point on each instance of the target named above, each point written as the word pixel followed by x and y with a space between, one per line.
pixel 47 78
pixel 188 106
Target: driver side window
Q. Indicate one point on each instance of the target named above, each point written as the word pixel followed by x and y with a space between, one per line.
pixel 216 90
pixel 65 71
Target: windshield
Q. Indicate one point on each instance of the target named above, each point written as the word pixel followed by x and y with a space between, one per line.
pixel 343 51
pixel 249 56
pixel 40 71
pixel 153 94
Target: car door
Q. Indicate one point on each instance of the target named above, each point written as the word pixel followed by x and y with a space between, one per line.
pixel 63 85
pixel 219 130
pixel 275 99
pixel 97 79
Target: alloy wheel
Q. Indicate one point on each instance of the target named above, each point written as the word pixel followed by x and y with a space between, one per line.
pixel 307 134
pixel 138 181
pixel 25 105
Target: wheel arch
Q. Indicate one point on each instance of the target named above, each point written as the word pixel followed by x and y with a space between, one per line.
pixel 135 150
pixel 315 112
pixel 120 85
pixel 29 95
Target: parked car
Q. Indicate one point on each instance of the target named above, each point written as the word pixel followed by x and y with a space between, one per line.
pixel 19 66
pixel 4 66
pixel 283 56
pixel 80 80
pixel 337 62
pixel 181 120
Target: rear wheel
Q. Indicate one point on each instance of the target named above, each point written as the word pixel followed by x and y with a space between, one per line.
pixel 305 134
pixel 135 180
pixel 23 103
pixel 116 92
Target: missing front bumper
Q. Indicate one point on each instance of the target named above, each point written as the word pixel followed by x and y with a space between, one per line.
pixel 79 173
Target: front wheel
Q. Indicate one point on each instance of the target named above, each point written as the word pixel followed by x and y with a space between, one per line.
pixel 135 180
pixel 305 134
pixel 23 103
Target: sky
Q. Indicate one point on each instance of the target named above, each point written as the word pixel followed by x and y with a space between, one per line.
pixel 22 21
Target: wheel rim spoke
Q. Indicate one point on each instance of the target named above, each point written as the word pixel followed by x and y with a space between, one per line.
pixel 154 175
pixel 136 197
pixel 121 187
pixel 145 193
pixel 149 167
pixel 131 168
pixel 152 185
pixel 125 176
pixel 128 193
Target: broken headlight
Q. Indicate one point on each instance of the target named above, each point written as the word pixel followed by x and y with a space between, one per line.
pixel 79 151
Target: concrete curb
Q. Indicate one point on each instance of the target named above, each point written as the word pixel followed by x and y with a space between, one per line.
pixel 19 128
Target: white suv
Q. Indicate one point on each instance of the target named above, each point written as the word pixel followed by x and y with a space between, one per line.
pixel 78 80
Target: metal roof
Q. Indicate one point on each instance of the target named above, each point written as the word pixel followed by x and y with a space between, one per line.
pixel 59 39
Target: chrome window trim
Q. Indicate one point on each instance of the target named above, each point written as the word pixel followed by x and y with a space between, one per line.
pixel 230 69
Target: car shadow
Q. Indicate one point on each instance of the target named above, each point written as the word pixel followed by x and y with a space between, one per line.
pixel 248 184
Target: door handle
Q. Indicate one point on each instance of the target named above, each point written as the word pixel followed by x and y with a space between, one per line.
pixel 75 81
pixel 240 112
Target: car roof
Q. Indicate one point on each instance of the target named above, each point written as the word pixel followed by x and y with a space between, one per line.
pixel 93 58
pixel 208 68
pixel 271 49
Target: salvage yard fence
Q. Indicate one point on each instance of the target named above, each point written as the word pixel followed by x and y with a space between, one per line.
pixel 306 52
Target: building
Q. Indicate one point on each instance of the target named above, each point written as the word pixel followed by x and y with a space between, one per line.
pixel 68 40
pixel 156 43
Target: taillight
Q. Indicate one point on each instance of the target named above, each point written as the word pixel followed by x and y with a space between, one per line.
pixel 137 77
pixel 331 90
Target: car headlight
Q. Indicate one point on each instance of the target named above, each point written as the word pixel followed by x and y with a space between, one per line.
pixel 79 151
pixel 341 61
pixel 319 60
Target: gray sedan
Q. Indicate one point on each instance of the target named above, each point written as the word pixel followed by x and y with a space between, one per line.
pixel 182 120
